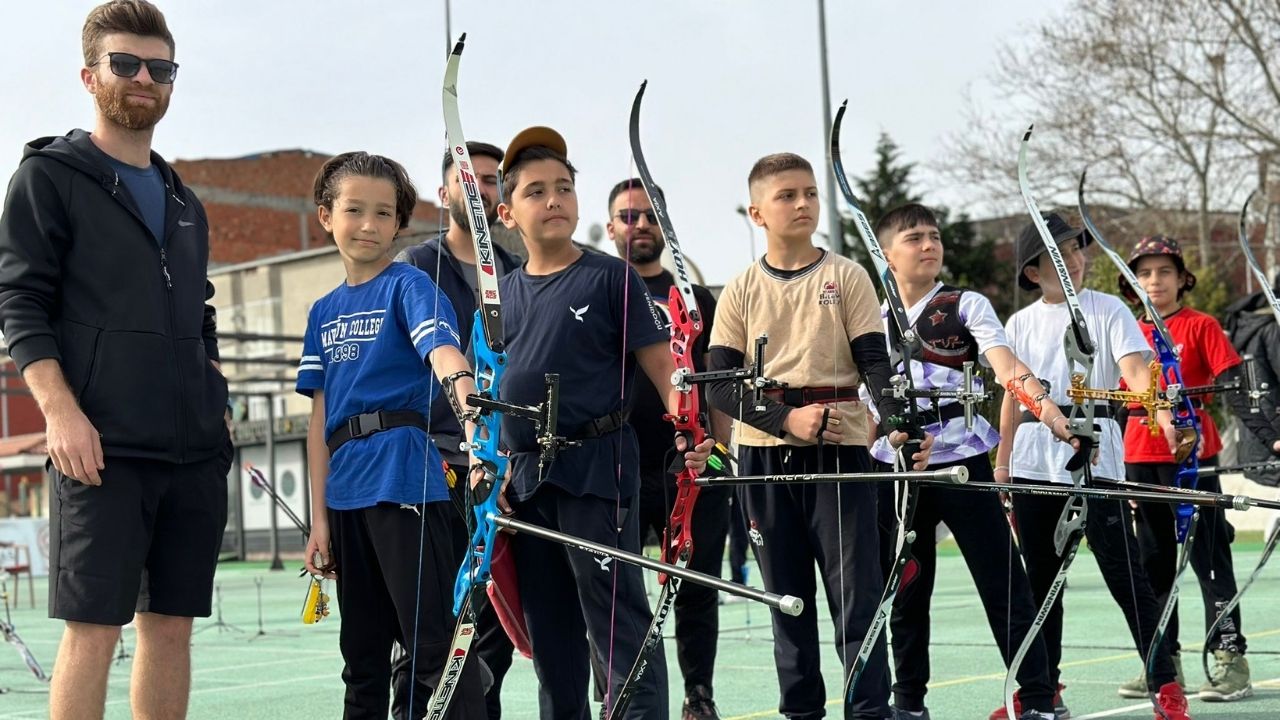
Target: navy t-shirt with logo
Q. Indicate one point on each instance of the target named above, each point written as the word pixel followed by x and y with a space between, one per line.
pixel 583 322
pixel 366 347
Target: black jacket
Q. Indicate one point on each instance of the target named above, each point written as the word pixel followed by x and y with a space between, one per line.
pixel 83 281
pixel 427 256
pixel 1253 330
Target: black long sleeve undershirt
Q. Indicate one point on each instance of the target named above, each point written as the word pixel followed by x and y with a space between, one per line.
pixel 1267 430
pixel 732 397
pixel 872 358
pixel 735 400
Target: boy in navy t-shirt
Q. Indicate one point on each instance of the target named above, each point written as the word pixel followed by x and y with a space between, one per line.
pixel 372 353
pixel 587 317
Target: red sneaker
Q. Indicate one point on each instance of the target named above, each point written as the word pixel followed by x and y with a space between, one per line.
pixel 1059 709
pixel 1172 702
pixel 1001 714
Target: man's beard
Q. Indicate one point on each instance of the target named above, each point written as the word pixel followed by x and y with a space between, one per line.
pixel 647 254
pixel 459 212
pixel 117 109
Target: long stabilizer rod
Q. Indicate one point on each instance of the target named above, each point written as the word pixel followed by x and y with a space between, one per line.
pixel 788 604
pixel 1173 497
pixel 956 475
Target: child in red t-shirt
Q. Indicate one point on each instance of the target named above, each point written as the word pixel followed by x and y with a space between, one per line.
pixel 1205 355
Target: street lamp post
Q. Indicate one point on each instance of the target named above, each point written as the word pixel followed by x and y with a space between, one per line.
pixel 448 29
pixel 276 562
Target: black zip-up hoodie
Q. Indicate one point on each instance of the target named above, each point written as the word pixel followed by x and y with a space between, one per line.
pixel 1252 327
pixel 83 281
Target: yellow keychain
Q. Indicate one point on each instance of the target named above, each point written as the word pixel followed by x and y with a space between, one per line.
pixel 316 607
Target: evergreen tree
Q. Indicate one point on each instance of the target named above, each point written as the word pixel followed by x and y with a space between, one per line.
pixel 885 188
pixel 889 184
pixel 968 259
pixel 970 262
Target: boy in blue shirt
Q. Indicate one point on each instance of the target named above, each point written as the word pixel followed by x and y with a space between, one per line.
pixel 587 317
pixel 372 353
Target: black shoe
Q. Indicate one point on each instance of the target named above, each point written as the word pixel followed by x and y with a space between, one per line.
pixel 698 705
pixel 900 714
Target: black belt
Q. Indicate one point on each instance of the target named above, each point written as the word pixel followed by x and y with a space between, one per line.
pixel 800 397
pixel 1099 412
pixel 364 425
pixel 1142 411
pixel 601 426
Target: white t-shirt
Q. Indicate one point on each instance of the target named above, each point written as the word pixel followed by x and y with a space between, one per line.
pixel 1037 332
pixel 952 442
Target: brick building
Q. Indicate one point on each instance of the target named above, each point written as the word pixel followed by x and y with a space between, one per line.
pixel 260 205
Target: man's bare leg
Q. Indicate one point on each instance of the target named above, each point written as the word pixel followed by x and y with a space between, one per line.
pixel 161 667
pixel 78 690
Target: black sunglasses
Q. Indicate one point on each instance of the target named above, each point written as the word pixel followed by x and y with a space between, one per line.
pixel 631 216
pixel 127 65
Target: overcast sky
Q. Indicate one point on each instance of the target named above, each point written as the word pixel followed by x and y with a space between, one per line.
pixel 728 82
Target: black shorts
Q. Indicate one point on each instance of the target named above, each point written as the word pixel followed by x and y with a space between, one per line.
pixel 146 540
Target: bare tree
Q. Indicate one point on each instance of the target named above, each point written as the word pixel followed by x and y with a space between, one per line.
pixel 1245 79
pixel 1159 98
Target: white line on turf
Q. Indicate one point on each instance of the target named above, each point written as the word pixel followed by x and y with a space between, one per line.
pixel 1117 711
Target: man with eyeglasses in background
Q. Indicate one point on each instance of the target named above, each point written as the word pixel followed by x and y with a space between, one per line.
pixel 104 307
pixel 634 230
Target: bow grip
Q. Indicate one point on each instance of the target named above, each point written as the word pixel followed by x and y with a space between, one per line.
pixel 915 437
pixel 693 436
pixel 1081 457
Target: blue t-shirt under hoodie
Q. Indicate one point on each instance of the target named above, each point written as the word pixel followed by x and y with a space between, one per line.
pixel 366 347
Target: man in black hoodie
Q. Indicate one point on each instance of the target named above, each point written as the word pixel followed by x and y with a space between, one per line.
pixel 1254 329
pixel 103 306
